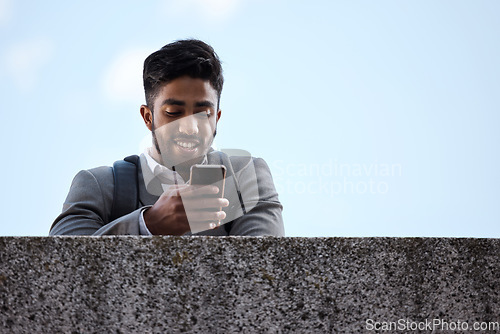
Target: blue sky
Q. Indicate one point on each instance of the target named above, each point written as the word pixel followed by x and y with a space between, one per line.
pixel 376 118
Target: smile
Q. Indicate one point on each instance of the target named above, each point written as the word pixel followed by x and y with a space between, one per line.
pixel 187 145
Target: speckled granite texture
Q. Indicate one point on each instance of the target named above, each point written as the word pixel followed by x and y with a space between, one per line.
pixel 250 285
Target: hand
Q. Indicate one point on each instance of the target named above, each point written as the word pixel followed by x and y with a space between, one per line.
pixel 182 206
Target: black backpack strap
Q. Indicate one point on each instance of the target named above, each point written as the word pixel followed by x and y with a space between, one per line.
pixel 126 192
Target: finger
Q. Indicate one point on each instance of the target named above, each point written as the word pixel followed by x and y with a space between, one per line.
pixel 175 189
pixel 195 217
pixel 197 191
pixel 201 226
pixel 202 203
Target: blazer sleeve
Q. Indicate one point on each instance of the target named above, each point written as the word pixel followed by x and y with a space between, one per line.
pixel 264 217
pixel 88 205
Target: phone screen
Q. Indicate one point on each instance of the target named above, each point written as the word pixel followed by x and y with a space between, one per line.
pixel 209 175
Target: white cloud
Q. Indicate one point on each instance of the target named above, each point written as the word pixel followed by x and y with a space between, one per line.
pixel 5 11
pixel 24 61
pixel 218 9
pixel 122 82
pixel 210 10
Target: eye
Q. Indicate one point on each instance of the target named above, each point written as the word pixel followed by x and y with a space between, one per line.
pixel 173 113
pixel 203 114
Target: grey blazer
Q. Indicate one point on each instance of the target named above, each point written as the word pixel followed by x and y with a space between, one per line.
pixel 88 205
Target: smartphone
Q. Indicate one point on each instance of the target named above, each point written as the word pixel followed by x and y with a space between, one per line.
pixel 205 175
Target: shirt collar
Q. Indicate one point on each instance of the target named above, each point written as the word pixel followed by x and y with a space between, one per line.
pixel 167 175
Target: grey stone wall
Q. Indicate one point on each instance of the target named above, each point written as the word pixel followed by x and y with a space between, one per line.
pixel 242 284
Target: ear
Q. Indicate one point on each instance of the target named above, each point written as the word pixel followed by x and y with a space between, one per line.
pixel 219 113
pixel 147 116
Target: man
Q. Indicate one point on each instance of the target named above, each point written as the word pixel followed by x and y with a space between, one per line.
pixel 182 83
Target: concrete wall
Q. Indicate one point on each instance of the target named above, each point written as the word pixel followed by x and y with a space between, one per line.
pixel 253 285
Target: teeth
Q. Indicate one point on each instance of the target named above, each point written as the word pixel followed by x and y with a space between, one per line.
pixel 186 145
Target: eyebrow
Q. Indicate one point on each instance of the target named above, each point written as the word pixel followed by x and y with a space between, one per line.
pixel 174 102
pixel 204 104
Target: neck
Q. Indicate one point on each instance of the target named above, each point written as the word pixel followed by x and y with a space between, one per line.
pixel 155 155
pixel 184 168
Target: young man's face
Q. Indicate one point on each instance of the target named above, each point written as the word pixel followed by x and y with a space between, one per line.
pixel 185 120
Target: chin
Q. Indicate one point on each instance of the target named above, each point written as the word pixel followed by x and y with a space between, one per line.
pixel 183 162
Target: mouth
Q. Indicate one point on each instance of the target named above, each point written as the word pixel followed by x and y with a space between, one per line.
pixel 187 146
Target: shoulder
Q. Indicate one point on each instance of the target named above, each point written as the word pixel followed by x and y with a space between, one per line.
pixel 102 175
pixel 93 181
pixel 238 160
pixel 94 187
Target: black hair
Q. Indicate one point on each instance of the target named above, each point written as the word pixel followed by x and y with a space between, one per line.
pixel 189 57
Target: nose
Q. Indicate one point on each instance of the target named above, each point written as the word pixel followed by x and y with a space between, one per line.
pixel 188 125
